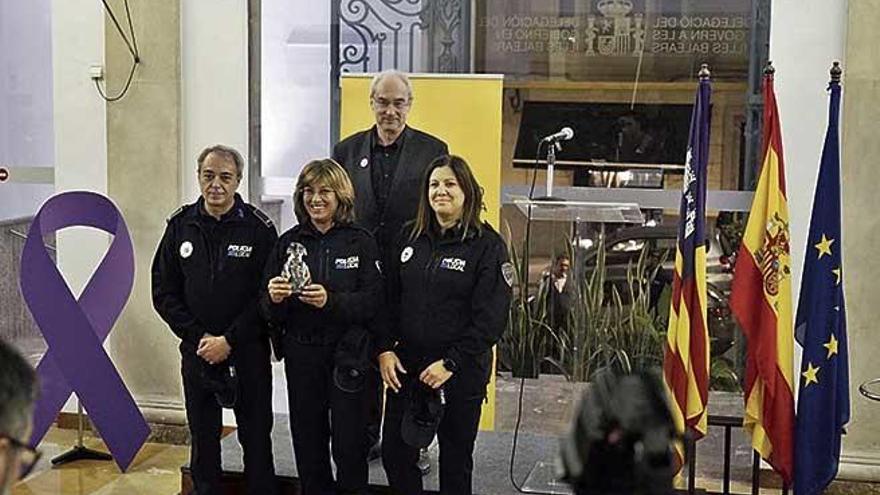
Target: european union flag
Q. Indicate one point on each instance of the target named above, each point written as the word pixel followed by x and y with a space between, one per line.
pixel 820 326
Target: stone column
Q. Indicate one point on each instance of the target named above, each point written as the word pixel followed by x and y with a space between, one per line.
pixel 861 231
pixel 80 131
pixel 143 173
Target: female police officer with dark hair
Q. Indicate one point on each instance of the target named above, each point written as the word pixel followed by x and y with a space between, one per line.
pixel 323 324
pixel 449 289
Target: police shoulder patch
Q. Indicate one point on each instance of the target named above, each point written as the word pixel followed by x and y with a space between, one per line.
pixel 174 214
pixel 262 216
pixel 508 273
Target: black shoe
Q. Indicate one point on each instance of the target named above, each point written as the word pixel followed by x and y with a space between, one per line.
pixel 424 463
pixel 375 452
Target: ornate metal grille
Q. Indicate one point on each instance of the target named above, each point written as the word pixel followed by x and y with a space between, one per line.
pixel 411 35
pixel 381 34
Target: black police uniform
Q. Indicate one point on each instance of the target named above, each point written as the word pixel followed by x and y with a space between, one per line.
pixel 207 278
pixel 452 294
pixel 345 261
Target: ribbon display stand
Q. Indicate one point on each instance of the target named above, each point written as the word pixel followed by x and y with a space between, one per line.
pixel 75 328
pixel 80 452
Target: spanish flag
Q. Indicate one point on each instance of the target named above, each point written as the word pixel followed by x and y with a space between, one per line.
pixel 686 356
pixel 761 302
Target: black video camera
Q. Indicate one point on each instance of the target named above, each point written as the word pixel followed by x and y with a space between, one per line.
pixel 621 442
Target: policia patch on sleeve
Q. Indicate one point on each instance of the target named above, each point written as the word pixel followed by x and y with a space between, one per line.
pixel 508 272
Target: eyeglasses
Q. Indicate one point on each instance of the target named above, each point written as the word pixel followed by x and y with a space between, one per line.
pixel 382 103
pixel 323 193
pixel 27 455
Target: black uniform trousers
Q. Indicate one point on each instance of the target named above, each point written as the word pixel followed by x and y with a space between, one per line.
pixel 253 413
pixel 457 433
pixel 322 415
pixel 374 392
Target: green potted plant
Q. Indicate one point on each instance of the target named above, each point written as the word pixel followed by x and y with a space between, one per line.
pixel 524 344
pixel 607 327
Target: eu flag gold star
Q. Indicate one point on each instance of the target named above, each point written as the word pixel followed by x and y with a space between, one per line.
pixel 831 345
pixel 824 246
pixel 836 272
pixel 811 375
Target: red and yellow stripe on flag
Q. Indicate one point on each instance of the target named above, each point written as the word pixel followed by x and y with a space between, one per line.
pixel 686 356
pixel 761 302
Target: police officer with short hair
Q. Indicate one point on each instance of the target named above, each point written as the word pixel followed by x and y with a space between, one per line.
pixel 449 290
pixel 325 313
pixel 207 277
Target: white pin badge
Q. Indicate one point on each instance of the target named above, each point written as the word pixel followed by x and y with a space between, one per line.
pixel 406 254
pixel 364 162
pixel 186 249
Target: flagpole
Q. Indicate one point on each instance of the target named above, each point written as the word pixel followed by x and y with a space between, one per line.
pixel 686 350
pixel 704 75
pixel 770 72
pixel 761 302
pixel 823 408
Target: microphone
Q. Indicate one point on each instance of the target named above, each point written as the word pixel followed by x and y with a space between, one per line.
pixel 564 134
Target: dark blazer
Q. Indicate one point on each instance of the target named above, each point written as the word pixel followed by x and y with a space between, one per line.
pixel 419 149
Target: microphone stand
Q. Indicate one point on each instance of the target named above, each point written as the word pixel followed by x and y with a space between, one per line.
pixel 551 164
pixel 552 148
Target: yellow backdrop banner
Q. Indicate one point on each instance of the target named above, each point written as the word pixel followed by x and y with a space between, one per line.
pixel 465 111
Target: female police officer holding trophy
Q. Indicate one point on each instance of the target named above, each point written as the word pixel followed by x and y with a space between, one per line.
pixel 449 289
pixel 323 289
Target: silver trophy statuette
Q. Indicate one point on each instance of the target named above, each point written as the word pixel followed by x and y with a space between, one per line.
pixel 295 269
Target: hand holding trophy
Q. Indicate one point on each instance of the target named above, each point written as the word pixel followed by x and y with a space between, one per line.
pixel 294 274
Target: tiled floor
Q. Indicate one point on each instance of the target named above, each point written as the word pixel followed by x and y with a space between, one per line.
pixel 547 410
pixel 155 470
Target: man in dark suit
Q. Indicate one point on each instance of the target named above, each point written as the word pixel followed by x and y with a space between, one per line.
pixel 386 163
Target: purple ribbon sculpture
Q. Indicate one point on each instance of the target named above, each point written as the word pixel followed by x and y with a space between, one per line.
pixel 75 330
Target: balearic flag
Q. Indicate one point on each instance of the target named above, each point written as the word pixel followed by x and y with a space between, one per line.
pixel 761 302
pixel 686 356
pixel 820 326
